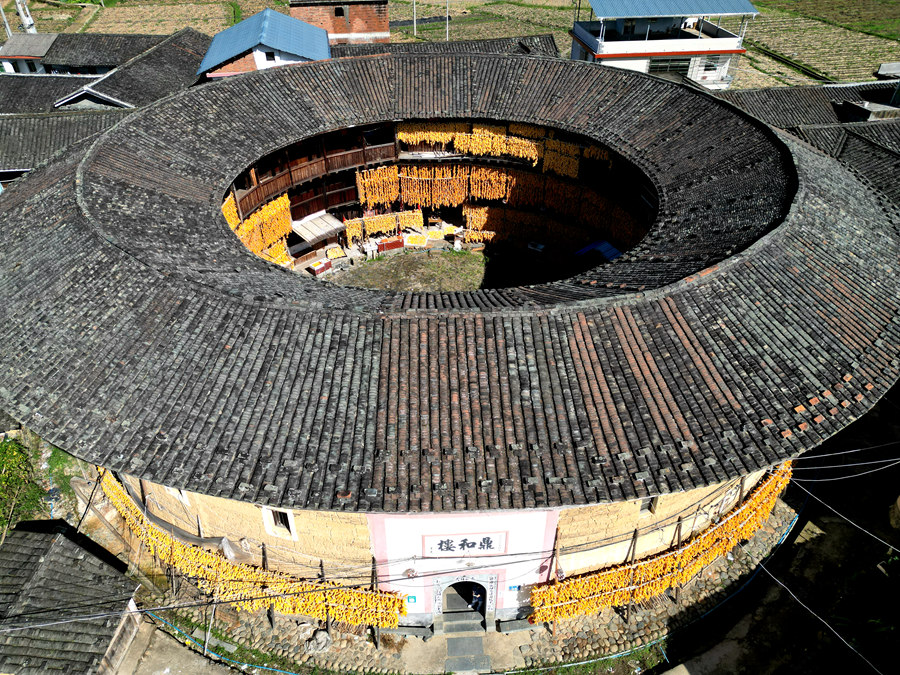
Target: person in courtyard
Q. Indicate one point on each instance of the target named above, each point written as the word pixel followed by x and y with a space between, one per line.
pixel 477 600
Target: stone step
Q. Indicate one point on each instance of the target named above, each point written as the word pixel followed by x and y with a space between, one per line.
pixel 461 616
pixel 475 664
pixel 465 646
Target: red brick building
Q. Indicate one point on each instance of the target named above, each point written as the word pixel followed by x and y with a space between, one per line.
pixel 346 20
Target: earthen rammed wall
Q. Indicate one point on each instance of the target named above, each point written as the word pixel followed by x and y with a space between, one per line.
pixel 339 540
pixel 588 537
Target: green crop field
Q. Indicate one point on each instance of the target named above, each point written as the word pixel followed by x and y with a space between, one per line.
pixel 841 40
pixel 881 17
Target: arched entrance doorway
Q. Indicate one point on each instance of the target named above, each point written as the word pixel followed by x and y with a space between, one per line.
pixel 463 608
pixel 465 596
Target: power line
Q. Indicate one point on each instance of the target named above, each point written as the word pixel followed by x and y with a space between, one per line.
pixel 800 602
pixel 859 527
pixel 847 452
pixel 855 475
pixel 209 603
pixel 541 556
pixel 843 466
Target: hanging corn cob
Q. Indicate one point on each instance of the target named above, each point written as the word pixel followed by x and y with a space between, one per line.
pixel 410 220
pixel 644 579
pixel 488 183
pixel 251 588
pixel 353 230
pixel 278 253
pixel 437 133
pixel 526 130
pixel 266 225
pixel 229 210
pixel 378 187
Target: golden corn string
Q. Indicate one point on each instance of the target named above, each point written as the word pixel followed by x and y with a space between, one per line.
pixel 644 579
pixel 252 588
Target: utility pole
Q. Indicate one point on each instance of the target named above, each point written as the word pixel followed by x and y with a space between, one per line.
pixel 448 20
pixel 25 15
pixel 5 22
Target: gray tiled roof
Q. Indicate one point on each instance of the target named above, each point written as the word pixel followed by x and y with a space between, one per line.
pixel 871 148
pixel 97 49
pixel 36 93
pixel 47 577
pixel 28 140
pixel 758 317
pixel 534 45
pixel 788 107
pixel 163 69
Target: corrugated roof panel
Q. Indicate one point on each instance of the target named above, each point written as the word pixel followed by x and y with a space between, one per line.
pixel 271 29
pixel 636 9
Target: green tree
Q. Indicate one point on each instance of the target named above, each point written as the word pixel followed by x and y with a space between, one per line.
pixel 20 495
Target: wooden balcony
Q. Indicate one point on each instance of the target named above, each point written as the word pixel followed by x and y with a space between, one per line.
pixel 315 168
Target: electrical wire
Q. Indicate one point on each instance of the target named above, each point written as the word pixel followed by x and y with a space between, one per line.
pixel 843 466
pixel 542 557
pixel 847 452
pixel 859 527
pixel 209 603
pixel 855 475
pixel 827 625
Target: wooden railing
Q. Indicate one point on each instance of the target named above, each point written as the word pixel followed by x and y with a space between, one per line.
pixel 315 168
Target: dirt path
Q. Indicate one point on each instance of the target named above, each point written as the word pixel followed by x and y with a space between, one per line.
pixel 84 17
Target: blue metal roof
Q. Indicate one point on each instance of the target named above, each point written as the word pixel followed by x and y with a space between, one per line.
pixel 638 9
pixel 270 29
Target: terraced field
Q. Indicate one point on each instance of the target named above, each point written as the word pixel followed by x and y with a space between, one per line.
pixel 837 53
pixel 881 17
pixel 787 28
pixel 159 18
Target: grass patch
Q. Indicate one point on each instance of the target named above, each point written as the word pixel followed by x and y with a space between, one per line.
pixel 876 17
pixel 643 659
pixel 62 467
pixel 440 271
pixel 235 14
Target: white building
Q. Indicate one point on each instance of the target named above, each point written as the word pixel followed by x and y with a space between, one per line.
pixel 22 52
pixel 663 36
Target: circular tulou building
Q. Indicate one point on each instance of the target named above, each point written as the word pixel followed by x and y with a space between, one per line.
pixel 578 412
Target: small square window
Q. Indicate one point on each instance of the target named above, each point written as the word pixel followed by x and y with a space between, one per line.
pixel 649 505
pixel 281 519
pixel 270 56
pixel 279 523
pixel 339 11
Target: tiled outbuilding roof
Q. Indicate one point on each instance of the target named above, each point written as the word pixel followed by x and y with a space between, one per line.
pixel 28 140
pixel 47 577
pixel 534 45
pixel 871 148
pixel 163 69
pixel 788 107
pixel 98 50
pixel 758 317
pixel 36 93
